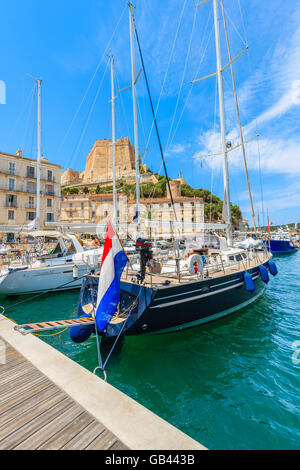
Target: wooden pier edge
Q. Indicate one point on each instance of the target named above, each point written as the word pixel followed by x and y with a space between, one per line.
pixel 136 427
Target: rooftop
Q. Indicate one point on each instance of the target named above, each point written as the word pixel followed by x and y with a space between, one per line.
pixel 19 156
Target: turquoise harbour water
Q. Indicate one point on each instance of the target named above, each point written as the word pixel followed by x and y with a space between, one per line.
pixel 231 384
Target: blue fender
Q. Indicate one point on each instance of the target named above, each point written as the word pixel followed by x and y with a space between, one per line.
pixel 272 268
pixel 264 274
pixel 80 334
pixel 249 283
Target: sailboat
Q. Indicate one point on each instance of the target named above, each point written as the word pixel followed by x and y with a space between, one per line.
pixel 64 267
pixel 193 291
pixel 280 243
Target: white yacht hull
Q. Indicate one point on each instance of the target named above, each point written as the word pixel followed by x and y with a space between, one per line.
pixel 41 279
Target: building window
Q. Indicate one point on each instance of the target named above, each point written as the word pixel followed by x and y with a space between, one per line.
pixel 71 215
pixel 82 214
pixel 49 189
pixel 93 215
pixel 50 217
pixel 50 175
pixel 11 200
pixel 82 206
pixel 31 187
pixel 71 205
pixel 105 214
pixel 11 215
pixel 30 216
pixel 12 168
pixel 30 172
pixel 11 184
pixel 49 202
pixel 31 202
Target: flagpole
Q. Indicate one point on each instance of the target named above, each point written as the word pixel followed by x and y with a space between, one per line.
pixel 269 229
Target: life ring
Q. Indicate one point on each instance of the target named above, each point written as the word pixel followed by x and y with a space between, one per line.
pixel 195 264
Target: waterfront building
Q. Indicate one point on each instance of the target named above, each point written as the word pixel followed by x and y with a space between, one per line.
pixel 156 214
pixel 18 181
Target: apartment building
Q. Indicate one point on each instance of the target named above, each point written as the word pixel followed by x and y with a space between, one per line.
pixel 156 215
pixel 18 183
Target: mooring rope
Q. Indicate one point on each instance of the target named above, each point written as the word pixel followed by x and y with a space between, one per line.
pixel 40 294
pixel 101 366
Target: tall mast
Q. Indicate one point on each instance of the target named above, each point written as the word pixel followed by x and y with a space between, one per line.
pixel 223 127
pixel 113 119
pixel 38 165
pixel 135 119
pixel 239 117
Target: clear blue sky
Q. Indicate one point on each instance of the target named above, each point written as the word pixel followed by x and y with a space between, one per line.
pixel 63 43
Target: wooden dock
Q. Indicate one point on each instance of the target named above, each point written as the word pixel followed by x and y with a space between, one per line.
pixel 35 414
pixel 48 401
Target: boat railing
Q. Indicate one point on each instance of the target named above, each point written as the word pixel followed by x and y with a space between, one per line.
pixel 179 269
pixel 14 260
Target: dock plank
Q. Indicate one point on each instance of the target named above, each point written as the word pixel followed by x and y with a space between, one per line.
pixel 85 437
pixel 104 441
pixel 18 384
pixel 68 433
pixel 55 425
pixel 25 405
pixel 22 388
pixel 30 417
pixel 15 400
pixel 36 414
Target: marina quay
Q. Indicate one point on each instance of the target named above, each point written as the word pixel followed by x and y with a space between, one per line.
pixel 149 229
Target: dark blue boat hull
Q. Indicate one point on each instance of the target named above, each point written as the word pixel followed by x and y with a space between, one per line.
pixel 279 247
pixel 179 306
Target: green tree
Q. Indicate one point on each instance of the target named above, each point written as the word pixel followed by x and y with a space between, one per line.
pixel 74 191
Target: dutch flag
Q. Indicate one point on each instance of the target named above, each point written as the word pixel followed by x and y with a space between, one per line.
pixel 114 261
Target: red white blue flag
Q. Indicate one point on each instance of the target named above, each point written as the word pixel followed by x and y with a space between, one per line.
pixel 114 261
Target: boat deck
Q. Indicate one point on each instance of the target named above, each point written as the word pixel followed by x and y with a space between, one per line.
pixel 214 272
pixel 35 414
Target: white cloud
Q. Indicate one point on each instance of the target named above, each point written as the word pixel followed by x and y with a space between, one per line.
pixel 290 99
pixel 177 149
pixel 278 155
pixel 279 200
